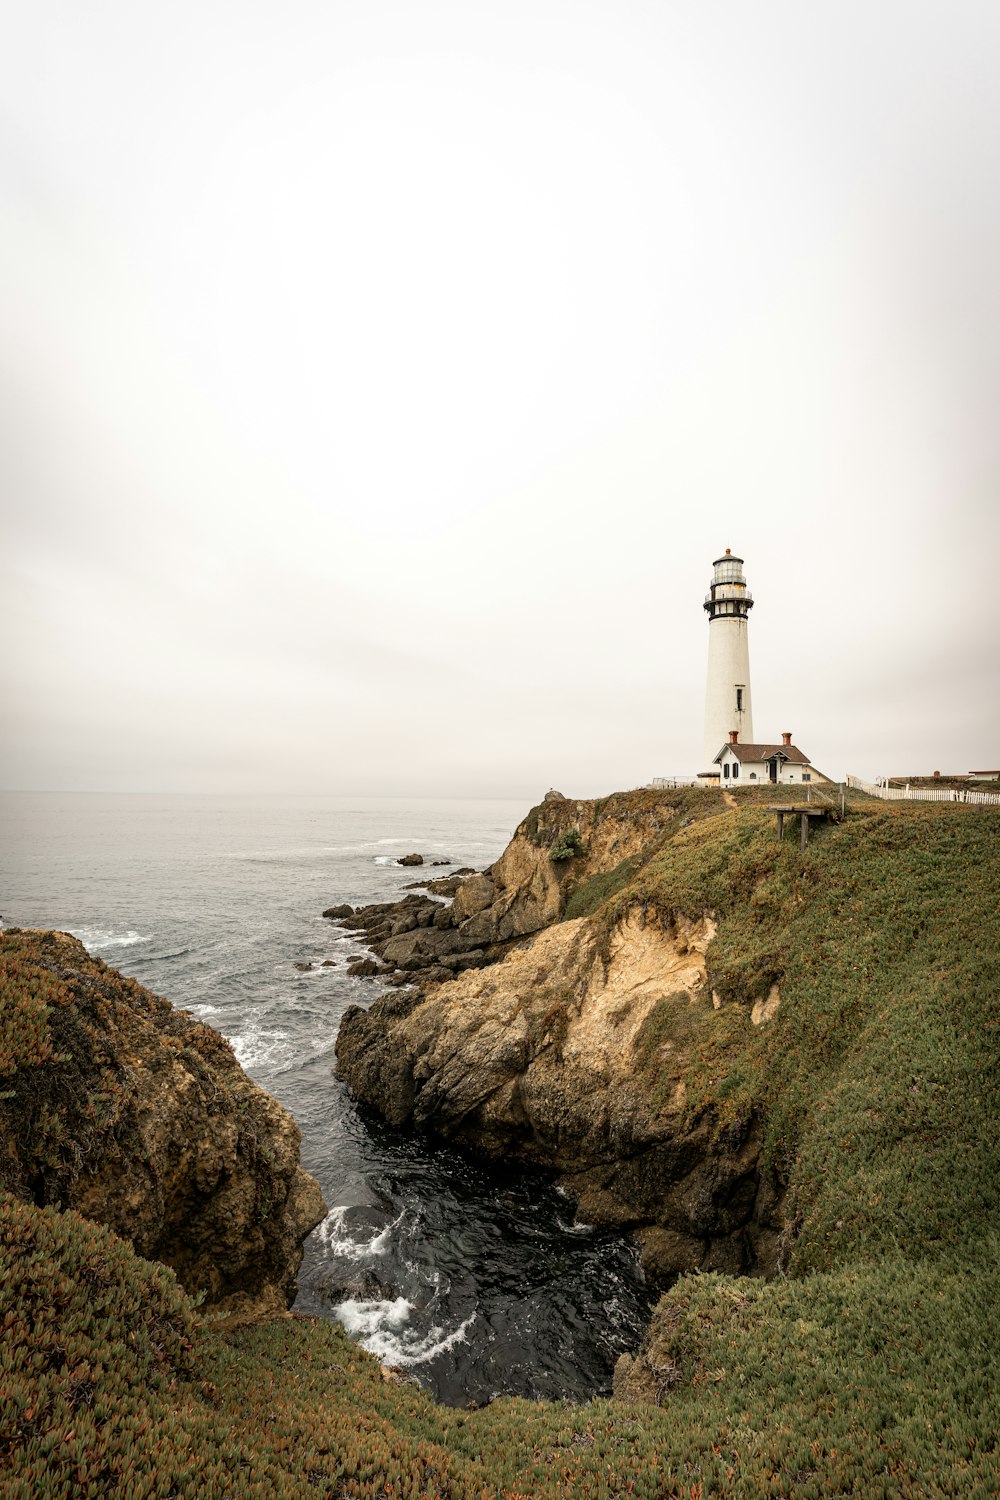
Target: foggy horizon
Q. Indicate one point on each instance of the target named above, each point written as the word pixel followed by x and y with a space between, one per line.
pixel 380 384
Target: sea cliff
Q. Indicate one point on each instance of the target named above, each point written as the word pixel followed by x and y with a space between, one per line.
pixel 542 1048
pixel 139 1117
pixel 711 1039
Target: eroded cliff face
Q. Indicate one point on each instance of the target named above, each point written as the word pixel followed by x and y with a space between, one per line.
pixel 140 1117
pixel 460 924
pixel 543 1055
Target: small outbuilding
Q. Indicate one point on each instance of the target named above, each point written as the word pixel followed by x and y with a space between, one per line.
pixel 758 764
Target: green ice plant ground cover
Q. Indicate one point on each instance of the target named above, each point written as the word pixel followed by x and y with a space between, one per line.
pixel 869 1369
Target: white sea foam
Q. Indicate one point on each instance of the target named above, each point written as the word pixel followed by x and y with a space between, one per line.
pixel 575 1228
pixel 370 1319
pixel 256 1046
pixel 338 1240
pixel 381 1328
pixel 103 937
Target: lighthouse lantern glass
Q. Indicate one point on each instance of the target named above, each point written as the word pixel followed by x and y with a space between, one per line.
pixel 729 570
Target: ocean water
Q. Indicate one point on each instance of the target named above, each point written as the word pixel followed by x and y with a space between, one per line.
pixel 477 1280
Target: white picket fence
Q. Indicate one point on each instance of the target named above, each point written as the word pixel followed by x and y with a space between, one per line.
pixel 925 794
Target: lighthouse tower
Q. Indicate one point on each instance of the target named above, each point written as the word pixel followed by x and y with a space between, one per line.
pixel 727 694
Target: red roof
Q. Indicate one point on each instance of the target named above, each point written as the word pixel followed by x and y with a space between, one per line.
pixel 765 752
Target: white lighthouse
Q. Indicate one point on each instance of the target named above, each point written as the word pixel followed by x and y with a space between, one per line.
pixel 727 694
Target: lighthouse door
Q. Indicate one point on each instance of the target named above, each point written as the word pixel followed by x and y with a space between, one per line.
pixel 772 768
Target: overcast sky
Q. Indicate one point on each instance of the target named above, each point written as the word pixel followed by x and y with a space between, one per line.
pixel 380 380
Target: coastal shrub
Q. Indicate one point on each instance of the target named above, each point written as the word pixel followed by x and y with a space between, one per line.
pixel 566 845
pixel 91 1336
pixel 27 992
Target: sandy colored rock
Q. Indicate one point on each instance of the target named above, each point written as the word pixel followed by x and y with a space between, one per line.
pixel 472 896
pixel 764 1010
pixel 537 1056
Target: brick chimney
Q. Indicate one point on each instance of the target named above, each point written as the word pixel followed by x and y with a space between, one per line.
pixel 734 735
pixel 786 737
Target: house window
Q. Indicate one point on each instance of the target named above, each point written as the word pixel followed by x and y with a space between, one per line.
pixel 736 769
pixel 806 776
pixel 725 769
pixel 739 700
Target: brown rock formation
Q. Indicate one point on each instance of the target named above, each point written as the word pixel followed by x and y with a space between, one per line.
pixel 541 1056
pixel 524 892
pixel 145 1121
pixel 526 1035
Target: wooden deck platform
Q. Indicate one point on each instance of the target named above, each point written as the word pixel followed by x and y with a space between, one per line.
pixel 814 810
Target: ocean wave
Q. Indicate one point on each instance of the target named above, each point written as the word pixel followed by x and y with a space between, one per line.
pixel 336 1237
pixel 381 1328
pixel 322 1052
pixel 255 1046
pixel 575 1228
pixel 103 937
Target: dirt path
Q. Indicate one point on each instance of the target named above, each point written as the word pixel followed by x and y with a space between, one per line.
pixel 729 799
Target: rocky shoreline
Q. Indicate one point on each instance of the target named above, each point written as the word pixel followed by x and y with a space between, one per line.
pixel 417 935
pixel 518 1033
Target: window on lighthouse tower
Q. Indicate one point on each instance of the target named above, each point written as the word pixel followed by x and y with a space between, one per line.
pixel 739 700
